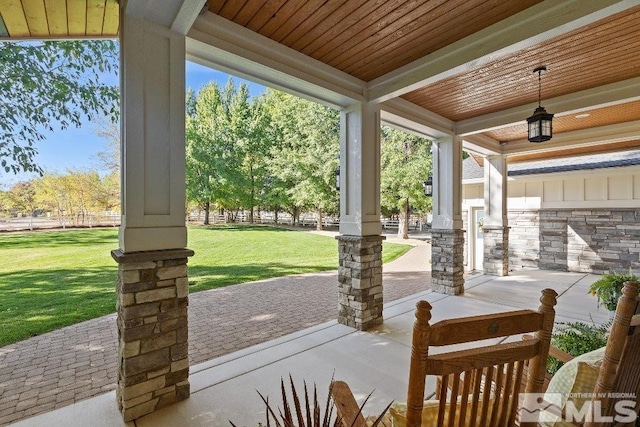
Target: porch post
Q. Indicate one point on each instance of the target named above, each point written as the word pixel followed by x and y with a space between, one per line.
pixel 360 240
pixel 447 235
pixel 152 283
pixel 496 231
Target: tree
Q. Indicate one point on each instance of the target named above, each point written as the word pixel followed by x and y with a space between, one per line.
pixel 22 197
pixel 47 84
pixel 406 163
pixel 107 194
pixel 5 206
pixel 211 162
pixel 49 193
pixel 251 122
pixel 109 158
pixel 307 154
pixel 227 147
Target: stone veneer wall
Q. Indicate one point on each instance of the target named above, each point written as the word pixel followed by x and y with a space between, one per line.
pixel 360 281
pixel 524 237
pixel 583 240
pixel 447 271
pixel 496 250
pixel 153 359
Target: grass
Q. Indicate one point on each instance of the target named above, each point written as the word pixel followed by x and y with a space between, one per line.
pixel 51 279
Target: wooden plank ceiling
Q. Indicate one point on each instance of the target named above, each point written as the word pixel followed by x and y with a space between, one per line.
pixel 59 18
pixel 366 38
pixel 601 53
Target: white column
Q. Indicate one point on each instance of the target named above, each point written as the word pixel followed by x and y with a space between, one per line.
pixel 360 243
pixel 496 232
pixel 153 286
pixel 447 236
pixel 495 191
pixel 153 137
pixel 447 182
pixel 360 171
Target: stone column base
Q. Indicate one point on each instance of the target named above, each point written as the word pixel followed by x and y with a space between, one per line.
pixel 447 259
pixel 496 251
pixel 360 281
pixel 153 359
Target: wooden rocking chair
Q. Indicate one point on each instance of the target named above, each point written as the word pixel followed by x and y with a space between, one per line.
pixel 479 386
pixel 619 374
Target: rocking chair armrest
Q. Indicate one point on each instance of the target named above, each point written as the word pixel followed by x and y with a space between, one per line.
pixel 346 406
pixel 562 356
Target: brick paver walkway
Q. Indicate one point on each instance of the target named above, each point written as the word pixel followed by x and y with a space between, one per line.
pixel 77 362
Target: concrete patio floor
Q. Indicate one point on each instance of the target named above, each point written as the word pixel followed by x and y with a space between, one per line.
pixel 224 388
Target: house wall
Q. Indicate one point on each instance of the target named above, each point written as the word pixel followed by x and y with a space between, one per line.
pixel 586 221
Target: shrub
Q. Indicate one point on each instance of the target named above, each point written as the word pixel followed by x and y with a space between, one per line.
pixel 609 288
pixel 577 338
pixel 307 413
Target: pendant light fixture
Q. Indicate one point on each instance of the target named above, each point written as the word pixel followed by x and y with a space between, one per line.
pixel 540 124
pixel 428 187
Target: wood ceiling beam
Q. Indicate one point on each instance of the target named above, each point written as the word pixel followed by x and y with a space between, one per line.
pixel 599 97
pixel 532 26
pixel 218 43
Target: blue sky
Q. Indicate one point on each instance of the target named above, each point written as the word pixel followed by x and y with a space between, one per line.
pixel 77 148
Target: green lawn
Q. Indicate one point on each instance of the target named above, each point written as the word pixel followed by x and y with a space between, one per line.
pixel 50 279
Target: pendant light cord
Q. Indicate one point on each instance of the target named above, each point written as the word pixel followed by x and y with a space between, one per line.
pixel 539 87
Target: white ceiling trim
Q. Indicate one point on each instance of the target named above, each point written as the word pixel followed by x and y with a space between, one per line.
pixel 532 26
pixel 599 97
pixel 224 61
pixel 482 144
pixel 187 15
pixel 587 137
pixel 162 13
pixel 407 116
pixel 217 42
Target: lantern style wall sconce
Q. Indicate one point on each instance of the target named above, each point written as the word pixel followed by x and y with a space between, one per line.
pixel 428 187
pixel 337 173
pixel 540 124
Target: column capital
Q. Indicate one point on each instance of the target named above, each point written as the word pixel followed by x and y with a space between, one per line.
pixel 134 257
pixel 352 239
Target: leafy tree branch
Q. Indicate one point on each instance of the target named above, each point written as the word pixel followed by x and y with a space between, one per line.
pixel 44 85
